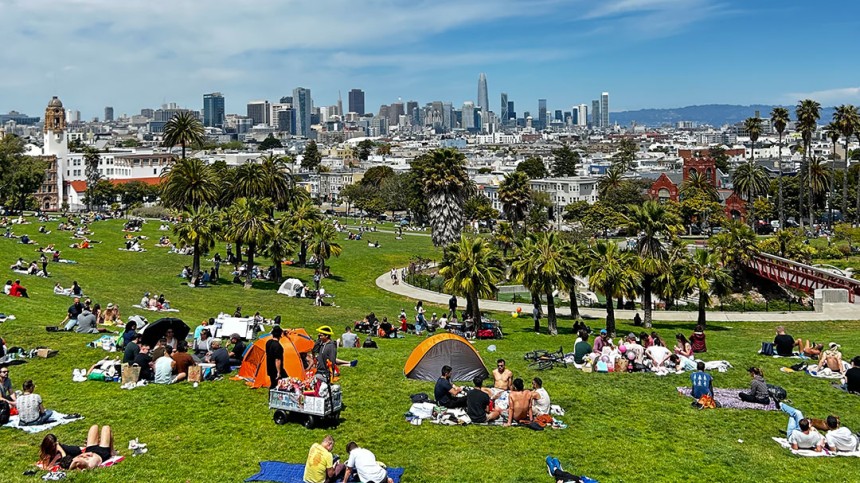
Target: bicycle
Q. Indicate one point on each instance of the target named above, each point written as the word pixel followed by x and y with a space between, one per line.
pixel 542 360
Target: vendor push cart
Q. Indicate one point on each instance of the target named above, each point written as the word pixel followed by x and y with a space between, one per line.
pixel 316 408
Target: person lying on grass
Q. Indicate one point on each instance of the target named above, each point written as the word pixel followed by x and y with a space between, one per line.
pixel 832 359
pixel 840 438
pixel 99 449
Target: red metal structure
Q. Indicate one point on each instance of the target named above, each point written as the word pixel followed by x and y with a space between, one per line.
pixel 802 277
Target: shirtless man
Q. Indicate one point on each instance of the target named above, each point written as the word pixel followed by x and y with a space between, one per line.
pixel 808 348
pixel 519 403
pixel 832 359
pixel 502 376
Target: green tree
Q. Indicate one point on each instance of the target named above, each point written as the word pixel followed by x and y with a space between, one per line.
pixel 365 147
pixel 374 176
pixel 323 243
pixel 610 182
pixel 198 227
pixel 720 157
pixel 846 120
pixel 471 268
pixel 703 274
pixel 626 155
pixel 183 129
pixel 271 142
pixel 564 161
pixel 779 118
pixel 24 177
pixel 311 157
pixel 136 191
pixel 248 181
pixel 735 247
pixel 749 180
pixel 807 112
pixel 252 226
pixel 611 272
pixel 533 167
pixel 697 184
pixel 102 193
pixel 654 227
pixel 479 207
pixel 446 184
pixel 504 237
pixel 278 178
pixel 817 177
pixel 833 133
pixel 130 143
pixel 539 209
pixel 281 246
pixel 516 197
pixel 234 145
pixel 188 182
pixel 302 220
pixel 91 171
pixel 540 264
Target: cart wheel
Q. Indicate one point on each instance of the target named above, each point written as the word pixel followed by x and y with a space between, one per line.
pixel 335 416
pixel 310 422
pixel 280 417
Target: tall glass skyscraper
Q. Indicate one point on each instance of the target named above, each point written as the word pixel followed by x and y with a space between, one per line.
pixel 356 101
pixel 595 113
pixel 483 96
pixel 302 104
pixel 542 118
pixel 213 110
pixel 604 109
pixel 504 112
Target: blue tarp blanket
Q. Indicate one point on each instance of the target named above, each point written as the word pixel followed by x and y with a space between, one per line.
pixel 294 472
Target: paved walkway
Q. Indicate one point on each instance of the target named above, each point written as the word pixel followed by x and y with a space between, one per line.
pixel 848 312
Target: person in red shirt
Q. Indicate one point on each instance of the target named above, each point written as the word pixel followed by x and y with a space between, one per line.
pixel 17 290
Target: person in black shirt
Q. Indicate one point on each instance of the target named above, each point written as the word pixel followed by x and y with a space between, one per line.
pixel 275 357
pixel 852 376
pixel 783 343
pixel 219 357
pixel 238 350
pixel 144 361
pixel 445 392
pixel 132 349
pixel 452 307
pixel 478 403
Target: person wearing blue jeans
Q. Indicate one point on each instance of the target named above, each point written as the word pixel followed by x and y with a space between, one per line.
pixel 794 417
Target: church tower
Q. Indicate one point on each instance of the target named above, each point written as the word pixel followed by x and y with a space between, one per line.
pixel 56 141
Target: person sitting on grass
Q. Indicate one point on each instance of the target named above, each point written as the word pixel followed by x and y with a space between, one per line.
pixel 658 355
pixel 832 359
pixel 7 395
pixel 838 438
pixel 758 392
pixel 683 346
pixel 519 404
pixel 806 437
pixel 17 290
pixel 98 450
pixel 144 361
pixel 478 403
pixel 783 343
pixel 851 380
pixel 446 393
pixel 76 289
pixel 237 352
pixel 182 361
pixel 702 383
pixel 31 412
pixel 129 332
pixel 320 466
pixel 387 330
pixel 635 352
pixel 203 345
pixel 220 357
pixel 601 341
pixel 581 348
pixel 164 367
pixel 348 338
pixel 87 323
pixel 502 376
pixel 364 463
pixel 541 404
pixel 132 348
pixel 809 349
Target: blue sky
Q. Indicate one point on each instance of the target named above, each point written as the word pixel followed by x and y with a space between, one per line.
pixel 132 54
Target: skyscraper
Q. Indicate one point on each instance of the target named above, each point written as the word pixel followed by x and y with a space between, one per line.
pixel 108 114
pixel 412 112
pixel 213 110
pixel 512 113
pixel 595 113
pixel 356 101
pixel 604 109
pixel 582 115
pixel 259 112
pixel 542 118
pixel 303 105
pixel 504 111
pixel 483 97
pixel 468 122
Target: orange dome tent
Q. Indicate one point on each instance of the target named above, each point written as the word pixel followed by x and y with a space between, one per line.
pixel 295 343
pixel 427 359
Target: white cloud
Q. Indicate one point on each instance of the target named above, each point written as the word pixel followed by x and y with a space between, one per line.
pixel 828 97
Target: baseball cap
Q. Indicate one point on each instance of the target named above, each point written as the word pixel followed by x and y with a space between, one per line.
pixel 602 331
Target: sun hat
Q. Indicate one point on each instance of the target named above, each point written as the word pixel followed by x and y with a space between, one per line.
pixel 325 330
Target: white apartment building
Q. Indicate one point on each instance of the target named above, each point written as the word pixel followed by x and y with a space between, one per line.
pixel 563 191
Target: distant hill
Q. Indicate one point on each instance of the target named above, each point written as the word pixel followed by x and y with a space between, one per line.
pixel 713 114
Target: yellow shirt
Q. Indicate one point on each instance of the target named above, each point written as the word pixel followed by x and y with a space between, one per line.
pixel 319 460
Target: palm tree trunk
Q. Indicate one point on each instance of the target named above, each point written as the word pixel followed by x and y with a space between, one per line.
pixel 303 254
pixel 857 208
pixel 811 198
pixel 646 299
pixel 574 305
pixel 249 268
pixel 610 316
pixel 238 253
pixel 781 207
pixel 802 187
pixel 321 262
pixel 476 310
pixel 195 264
pixel 183 148
pixel 830 198
pixel 550 313
pixel 844 205
pixel 702 320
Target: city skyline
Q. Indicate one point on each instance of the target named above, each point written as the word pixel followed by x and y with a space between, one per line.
pixel 647 53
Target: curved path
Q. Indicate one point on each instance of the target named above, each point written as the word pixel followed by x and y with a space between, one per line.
pixel 848 312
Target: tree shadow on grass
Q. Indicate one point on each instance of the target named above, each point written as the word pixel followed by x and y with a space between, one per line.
pixel 688 326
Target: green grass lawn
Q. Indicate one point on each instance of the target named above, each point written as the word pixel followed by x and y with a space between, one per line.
pixel 622 427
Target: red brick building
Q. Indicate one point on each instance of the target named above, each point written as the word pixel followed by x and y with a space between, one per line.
pixel 667 186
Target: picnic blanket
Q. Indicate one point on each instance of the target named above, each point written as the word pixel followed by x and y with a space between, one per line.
pixel 59 418
pixel 104 464
pixel 294 472
pixel 728 398
pixel 133 251
pixel 141 307
pixel 826 373
pixel 808 452
pixel 64 260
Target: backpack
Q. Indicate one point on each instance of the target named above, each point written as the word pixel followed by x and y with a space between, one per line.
pixel 776 393
pixel 766 349
pixel 421 397
pixel 5 412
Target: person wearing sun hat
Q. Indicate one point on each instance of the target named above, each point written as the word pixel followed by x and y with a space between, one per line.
pixel 327 356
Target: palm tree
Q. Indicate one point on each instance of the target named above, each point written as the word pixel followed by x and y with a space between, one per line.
pixel 668 283
pixel 278 179
pixel 442 173
pixel 183 129
pixel 654 226
pixel 248 181
pixel 818 178
pixel 832 131
pixel 573 253
pixel 735 247
pixel 779 118
pixel 610 182
pixel 302 219
pixel 540 265
pixel 846 119
pixel 323 243
pixel 471 268
pixel 504 237
pixel 703 274
pixel 251 226
pixel 807 113
pixel 610 272
pixel 515 196
pixel 699 183
pixel 197 227
pixel 281 246
pixel 749 180
pixel 188 182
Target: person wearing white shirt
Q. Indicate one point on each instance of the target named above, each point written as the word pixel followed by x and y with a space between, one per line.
pixel 164 367
pixel 364 463
pixel 540 398
pixel 805 437
pixel 839 438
